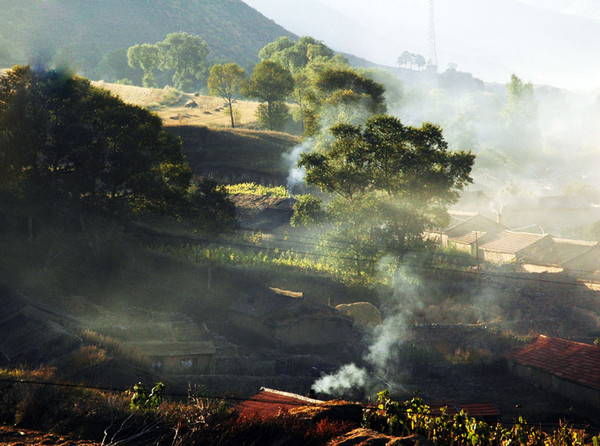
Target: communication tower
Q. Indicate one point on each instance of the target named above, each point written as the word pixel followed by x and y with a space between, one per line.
pixel 432 56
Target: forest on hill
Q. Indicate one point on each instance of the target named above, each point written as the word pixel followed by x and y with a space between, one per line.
pixel 86 31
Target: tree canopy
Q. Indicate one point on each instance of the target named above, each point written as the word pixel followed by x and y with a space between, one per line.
pixel 226 81
pixel 184 54
pixel 271 83
pixel 64 141
pixel 388 181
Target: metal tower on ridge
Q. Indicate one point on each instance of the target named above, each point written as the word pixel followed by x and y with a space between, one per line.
pixel 432 56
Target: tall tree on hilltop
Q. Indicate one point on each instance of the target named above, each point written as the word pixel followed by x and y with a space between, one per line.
pixel 226 81
pixel 146 57
pixel 270 83
pixel 184 54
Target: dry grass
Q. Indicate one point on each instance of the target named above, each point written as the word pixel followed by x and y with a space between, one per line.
pixel 211 111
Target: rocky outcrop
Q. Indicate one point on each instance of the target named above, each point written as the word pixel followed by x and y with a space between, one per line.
pixel 363 313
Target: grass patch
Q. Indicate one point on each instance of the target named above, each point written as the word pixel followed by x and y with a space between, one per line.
pixel 257 189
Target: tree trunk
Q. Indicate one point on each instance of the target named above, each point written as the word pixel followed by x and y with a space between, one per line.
pixel 231 114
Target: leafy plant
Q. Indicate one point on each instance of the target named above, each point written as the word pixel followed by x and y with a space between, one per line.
pixel 142 400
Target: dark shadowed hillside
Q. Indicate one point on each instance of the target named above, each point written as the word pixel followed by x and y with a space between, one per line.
pixel 85 30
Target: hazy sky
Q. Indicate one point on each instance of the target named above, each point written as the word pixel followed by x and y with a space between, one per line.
pixel 543 41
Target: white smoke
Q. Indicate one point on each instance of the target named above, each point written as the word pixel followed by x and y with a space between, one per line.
pixel 296 174
pixel 382 360
pixel 346 378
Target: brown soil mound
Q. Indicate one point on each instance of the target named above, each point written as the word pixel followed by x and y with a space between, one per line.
pixel 12 436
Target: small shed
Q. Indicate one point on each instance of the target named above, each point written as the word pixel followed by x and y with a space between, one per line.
pixel 570 369
pixel 190 358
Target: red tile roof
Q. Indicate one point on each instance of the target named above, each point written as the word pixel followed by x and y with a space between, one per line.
pixel 269 402
pixel 511 242
pixel 474 410
pixel 569 360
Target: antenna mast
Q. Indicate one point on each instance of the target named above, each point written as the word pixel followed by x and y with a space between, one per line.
pixel 432 56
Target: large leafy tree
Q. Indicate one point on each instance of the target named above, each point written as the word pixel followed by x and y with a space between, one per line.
pixel 146 57
pixel 270 83
pixel 226 81
pixel 388 182
pixel 66 144
pixel 304 58
pixel 184 54
pixel 341 94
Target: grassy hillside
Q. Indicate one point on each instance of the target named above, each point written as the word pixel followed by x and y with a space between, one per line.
pixel 87 29
pixel 237 155
pixel 212 148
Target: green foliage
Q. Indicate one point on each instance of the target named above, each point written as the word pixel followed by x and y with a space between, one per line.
pixel 520 118
pixel 388 182
pixel 146 57
pixel 70 150
pixel 257 189
pixel 342 95
pixel 272 115
pixel 211 209
pixel 271 83
pixel 142 400
pixel 296 55
pixel 184 54
pixel 308 211
pixel 414 417
pixel 226 81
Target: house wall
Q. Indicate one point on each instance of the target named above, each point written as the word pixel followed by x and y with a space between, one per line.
pixel 467 249
pixel 186 364
pixel 315 331
pixel 531 268
pixel 568 389
pixel 497 257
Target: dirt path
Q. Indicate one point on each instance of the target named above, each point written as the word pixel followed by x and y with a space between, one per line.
pixel 12 436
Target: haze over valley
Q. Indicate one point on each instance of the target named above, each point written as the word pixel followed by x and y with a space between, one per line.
pixel 322 222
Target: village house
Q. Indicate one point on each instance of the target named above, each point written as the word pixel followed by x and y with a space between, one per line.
pixel 551 257
pixel 508 246
pixel 189 358
pixel 466 234
pixel 571 369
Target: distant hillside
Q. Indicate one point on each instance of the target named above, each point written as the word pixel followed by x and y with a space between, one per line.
pixel 85 30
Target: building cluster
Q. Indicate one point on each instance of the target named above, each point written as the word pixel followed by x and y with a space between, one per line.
pixel 488 240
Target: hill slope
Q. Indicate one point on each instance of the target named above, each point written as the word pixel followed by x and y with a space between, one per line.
pixel 87 29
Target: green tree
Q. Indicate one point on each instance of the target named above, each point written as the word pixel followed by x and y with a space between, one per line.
pixel 146 57
pixel 226 81
pixel 65 144
pixel 270 83
pixel 184 54
pixel 296 55
pixel 404 59
pixel 304 58
pixel 521 130
pixel 388 181
pixel 342 94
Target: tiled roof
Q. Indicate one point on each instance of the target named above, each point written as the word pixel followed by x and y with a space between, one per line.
pixel 569 360
pixel 174 348
pixel 473 410
pixel 557 252
pixel 511 242
pixel 469 238
pixel 269 402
